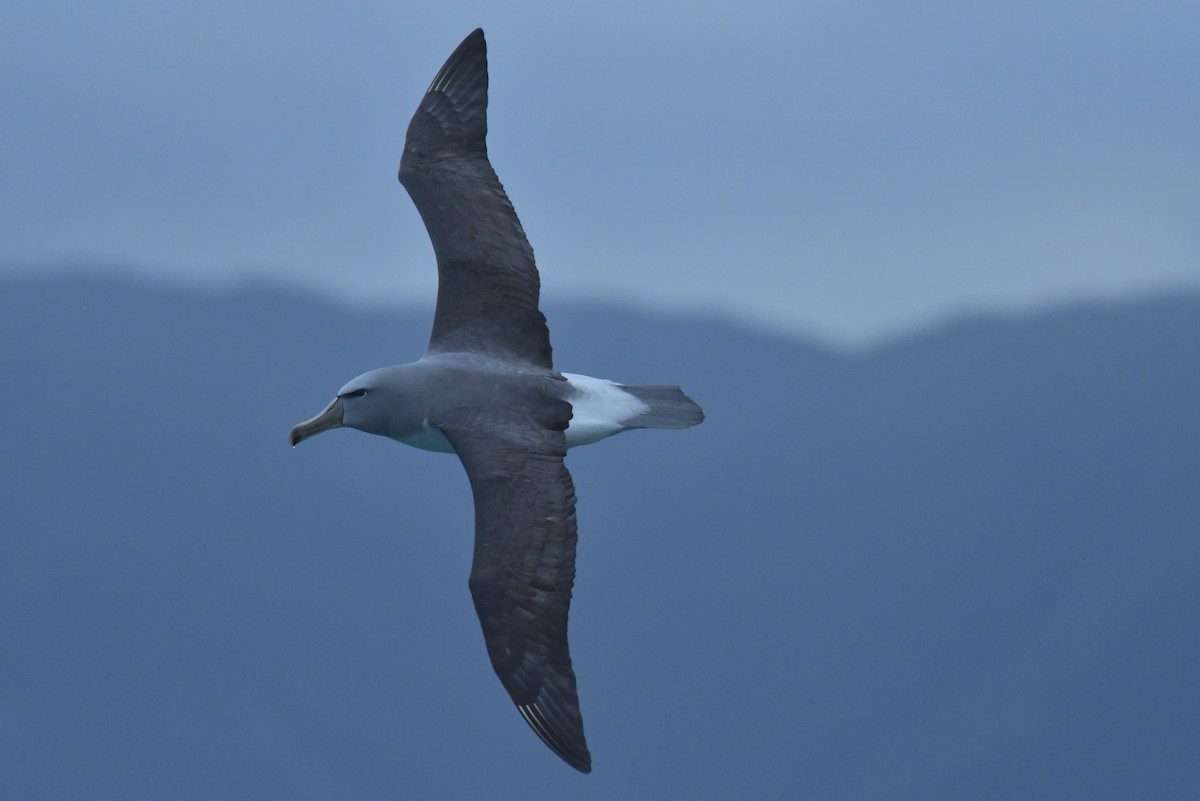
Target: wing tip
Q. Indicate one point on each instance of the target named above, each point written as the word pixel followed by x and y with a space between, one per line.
pixel 575 754
pixel 471 47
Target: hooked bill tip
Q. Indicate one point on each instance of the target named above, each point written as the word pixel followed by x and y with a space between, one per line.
pixel 329 417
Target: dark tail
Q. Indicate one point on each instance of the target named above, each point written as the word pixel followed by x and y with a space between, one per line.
pixel 669 408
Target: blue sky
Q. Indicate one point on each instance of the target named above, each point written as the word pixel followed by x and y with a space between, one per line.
pixel 844 169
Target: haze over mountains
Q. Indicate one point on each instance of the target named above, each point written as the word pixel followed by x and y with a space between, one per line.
pixel 835 164
pixel 962 565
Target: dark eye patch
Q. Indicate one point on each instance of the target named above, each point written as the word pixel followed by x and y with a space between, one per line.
pixel 358 393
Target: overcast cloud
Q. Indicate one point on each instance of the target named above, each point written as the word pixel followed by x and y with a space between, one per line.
pixel 837 168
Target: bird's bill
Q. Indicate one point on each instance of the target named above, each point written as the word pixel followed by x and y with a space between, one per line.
pixel 330 417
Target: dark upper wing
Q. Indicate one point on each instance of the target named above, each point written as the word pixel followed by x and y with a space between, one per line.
pixel 487 281
pixel 523 570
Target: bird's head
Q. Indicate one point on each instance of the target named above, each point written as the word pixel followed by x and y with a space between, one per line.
pixel 363 403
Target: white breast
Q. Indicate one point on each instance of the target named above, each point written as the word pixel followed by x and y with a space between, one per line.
pixel 428 439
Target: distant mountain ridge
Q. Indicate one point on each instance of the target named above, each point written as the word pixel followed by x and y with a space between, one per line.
pixel 961 564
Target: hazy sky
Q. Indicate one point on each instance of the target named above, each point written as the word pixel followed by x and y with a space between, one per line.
pixel 848 169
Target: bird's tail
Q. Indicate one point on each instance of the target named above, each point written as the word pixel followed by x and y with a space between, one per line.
pixel 669 408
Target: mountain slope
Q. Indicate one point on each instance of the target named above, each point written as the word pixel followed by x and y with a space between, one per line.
pixel 962 565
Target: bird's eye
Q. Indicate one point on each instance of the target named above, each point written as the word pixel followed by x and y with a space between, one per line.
pixel 358 393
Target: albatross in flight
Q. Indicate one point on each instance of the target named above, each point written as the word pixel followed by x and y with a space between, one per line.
pixel 486 390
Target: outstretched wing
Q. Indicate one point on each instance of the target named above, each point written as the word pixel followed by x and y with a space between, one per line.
pixel 524 568
pixel 488 283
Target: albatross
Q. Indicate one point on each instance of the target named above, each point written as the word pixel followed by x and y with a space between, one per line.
pixel 486 390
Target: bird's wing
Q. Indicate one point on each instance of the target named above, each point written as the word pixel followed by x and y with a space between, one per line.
pixel 487 281
pixel 524 567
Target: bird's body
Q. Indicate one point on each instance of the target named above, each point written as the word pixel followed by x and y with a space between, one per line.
pixel 426 390
pixel 486 390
